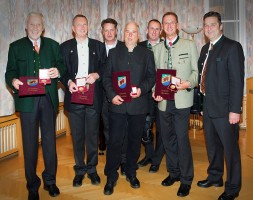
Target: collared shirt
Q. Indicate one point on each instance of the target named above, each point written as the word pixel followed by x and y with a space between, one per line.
pixel 154 43
pixel 38 41
pixel 172 41
pixel 111 46
pixel 215 41
pixel 83 58
pixel 204 64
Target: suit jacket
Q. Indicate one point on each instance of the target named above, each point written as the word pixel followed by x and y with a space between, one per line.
pixel 141 65
pixel 144 43
pixel 184 59
pixel 97 57
pixel 224 80
pixel 118 43
pixel 21 63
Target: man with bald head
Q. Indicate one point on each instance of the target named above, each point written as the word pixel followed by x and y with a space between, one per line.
pixel 130 116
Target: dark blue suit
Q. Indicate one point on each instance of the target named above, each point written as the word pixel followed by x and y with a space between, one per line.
pixel 224 84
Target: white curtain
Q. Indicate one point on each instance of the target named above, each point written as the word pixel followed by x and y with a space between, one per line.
pixel 58 15
pixel 190 13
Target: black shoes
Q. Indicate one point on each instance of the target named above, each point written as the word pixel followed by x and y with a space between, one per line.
pixel 52 189
pixel 95 179
pixel 169 181
pixel 33 195
pixel 154 168
pixel 123 169
pixel 108 189
pixel 134 182
pixel 207 183
pixel 78 180
pixel 145 161
pixel 183 190
pixel 225 196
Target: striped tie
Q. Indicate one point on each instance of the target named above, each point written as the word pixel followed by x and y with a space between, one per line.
pixel 149 46
pixel 203 78
pixel 169 56
pixel 36 47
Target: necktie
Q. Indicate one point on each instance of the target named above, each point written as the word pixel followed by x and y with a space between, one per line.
pixel 169 56
pixel 203 78
pixel 149 46
pixel 36 47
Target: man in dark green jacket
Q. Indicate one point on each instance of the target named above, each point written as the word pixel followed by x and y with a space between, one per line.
pixel 27 56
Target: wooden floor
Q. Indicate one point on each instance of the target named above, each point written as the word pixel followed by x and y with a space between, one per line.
pixel 12 180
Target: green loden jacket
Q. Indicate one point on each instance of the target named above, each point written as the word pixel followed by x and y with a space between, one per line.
pixel 185 60
pixel 21 63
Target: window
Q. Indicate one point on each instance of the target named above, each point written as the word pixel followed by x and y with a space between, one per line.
pixel 229 10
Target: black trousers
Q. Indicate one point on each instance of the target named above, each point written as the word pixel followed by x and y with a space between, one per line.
pixel 222 144
pixel 105 117
pixel 45 117
pixel 121 126
pixel 155 153
pixel 84 125
pixel 174 130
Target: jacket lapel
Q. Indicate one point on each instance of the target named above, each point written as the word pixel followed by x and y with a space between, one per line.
pixel 74 56
pixel 92 52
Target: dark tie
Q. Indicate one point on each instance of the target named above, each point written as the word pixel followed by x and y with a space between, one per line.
pixel 149 46
pixel 203 78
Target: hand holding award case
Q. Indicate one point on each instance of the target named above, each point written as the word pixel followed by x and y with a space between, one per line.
pixel 31 86
pixel 166 81
pixel 85 93
pixel 122 84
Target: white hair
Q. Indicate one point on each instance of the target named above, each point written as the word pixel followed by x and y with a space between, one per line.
pixel 35 14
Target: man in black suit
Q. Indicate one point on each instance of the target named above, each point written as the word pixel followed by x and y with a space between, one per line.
pixel 109 31
pixel 153 155
pixel 222 80
pixel 128 116
pixel 84 57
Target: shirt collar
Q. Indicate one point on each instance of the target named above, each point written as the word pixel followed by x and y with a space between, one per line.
pixel 215 41
pixel 168 41
pixel 155 42
pixel 38 41
pixel 85 42
pixel 111 45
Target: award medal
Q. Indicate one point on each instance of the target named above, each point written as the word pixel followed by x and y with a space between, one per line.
pixel 173 88
pixel 84 88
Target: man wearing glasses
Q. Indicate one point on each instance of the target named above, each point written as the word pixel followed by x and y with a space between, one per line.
pixel 181 55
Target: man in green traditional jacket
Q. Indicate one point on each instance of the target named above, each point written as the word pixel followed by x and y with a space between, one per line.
pixel 27 56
